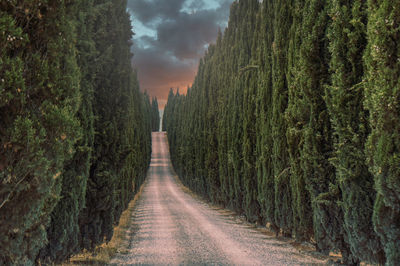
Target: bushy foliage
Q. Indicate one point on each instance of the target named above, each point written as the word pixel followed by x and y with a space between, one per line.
pixel 296 119
pixel 345 100
pixel 39 100
pixel 382 101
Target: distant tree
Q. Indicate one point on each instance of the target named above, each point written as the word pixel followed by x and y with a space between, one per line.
pixel 155 115
pixel 167 119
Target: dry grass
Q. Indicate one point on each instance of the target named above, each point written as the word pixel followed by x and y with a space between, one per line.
pixel 103 254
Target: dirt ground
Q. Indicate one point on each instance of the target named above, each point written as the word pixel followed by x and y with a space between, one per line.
pixel 169 226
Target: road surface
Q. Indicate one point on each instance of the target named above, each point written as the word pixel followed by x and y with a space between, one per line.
pixel 170 227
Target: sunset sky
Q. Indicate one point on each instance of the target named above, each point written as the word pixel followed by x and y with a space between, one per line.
pixel 170 38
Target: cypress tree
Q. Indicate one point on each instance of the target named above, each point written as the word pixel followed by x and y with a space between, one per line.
pixel 382 101
pixel 47 128
pixel 96 219
pixel 223 119
pixel 319 173
pixel 280 157
pixel 316 131
pixel 63 233
pixel 266 190
pixel 242 152
pixel 211 142
pixel 347 35
pixel 167 119
pixel 296 119
pixel 249 82
pixel 235 131
pixel 110 179
pixel 280 116
pixel 155 115
pixel 39 99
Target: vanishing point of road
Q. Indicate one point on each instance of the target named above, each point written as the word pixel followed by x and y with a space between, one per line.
pixel 171 227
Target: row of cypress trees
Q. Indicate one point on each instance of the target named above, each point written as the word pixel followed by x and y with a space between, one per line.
pixel 74 127
pixel 293 120
pixel 155 115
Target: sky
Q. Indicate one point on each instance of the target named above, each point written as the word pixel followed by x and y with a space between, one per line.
pixel 170 38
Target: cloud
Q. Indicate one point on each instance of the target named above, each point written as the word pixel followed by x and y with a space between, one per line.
pixel 170 38
pixel 194 5
pixel 158 71
pixel 148 11
pixel 186 36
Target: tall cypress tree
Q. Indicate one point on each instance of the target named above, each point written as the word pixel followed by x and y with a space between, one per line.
pixel 249 81
pixel 167 119
pixel 47 128
pixel 296 120
pixel 97 218
pixel 155 115
pixel 347 35
pixel 299 77
pixel 223 119
pixel 39 99
pixel 319 173
pixel 109 182
pixel 63 233
pixel 280 157
pixel 382 101
pixel 211 159
pixel 266 190
pixel 235 131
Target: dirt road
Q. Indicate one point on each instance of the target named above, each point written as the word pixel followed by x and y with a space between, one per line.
pixel 171 227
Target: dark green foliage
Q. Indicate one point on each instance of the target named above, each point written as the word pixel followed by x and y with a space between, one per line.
pixel 319 174
pixel 74 127
pixel 117 108
pixel 39 100
pixel 345 99
pixel 296 119
pixel 205 137
pixel 155 115
pixel 266 188
pixel 276 125
pixel 382 100
pixel 63 233
pixel 137 142
pixel 250 83
pixel 280 157
pixel 98 216
pixel 292 120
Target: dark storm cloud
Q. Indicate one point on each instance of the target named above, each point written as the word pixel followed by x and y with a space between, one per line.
pixel 147 11
pixel 186 36
pixel 183 30
pixel 196 4
pixel 158 70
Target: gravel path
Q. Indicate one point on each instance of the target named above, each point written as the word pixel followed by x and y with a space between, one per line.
pixel 170 227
